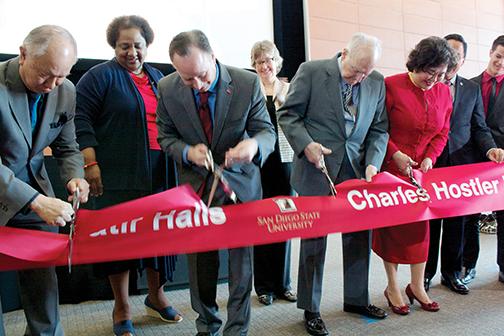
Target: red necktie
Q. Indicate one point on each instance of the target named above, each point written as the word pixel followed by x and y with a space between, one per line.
pixel 204 114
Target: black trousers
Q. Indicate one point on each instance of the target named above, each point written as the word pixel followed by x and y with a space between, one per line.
pixel 458 235
pixel 272 268
pixel 500 239
pixel 2 332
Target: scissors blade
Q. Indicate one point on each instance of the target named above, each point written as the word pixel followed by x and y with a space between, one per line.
pixel 213 189
pixel 324 170
pixel 219 172
pixel 75 206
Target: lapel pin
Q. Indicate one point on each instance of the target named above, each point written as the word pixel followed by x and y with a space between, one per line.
pixel 228 91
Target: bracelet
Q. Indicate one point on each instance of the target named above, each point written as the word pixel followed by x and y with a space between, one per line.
pixel 90 164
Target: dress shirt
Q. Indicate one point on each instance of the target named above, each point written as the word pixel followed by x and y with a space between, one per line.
pixel 486 88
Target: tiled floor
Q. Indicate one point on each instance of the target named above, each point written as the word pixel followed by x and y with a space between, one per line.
pixel 479 313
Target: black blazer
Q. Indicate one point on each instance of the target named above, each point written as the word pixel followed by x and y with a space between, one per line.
pixel 495 120
pixel 469 138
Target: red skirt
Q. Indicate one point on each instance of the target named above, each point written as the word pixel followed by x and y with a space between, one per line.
pixel 403 244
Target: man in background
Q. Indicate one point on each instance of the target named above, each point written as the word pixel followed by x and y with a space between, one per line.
pixel 469 141
pixel 490 82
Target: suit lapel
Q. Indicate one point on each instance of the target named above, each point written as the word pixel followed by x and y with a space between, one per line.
pixel 333 91
pixel 186 93
pixel 18 99
pixel 225 91
pixel 364 92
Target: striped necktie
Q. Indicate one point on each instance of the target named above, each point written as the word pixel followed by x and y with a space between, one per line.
pixel 347 98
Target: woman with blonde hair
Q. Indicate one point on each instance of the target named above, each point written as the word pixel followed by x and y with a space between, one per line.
pixel 272 261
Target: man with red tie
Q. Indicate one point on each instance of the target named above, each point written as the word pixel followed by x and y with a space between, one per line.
pixel 490 82
pixel 208 106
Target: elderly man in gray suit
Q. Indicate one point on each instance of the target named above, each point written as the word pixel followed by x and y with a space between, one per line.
pixel 208 106
pixel 37 108
pixel 335 112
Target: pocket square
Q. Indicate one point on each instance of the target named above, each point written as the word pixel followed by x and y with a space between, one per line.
pixel 61 121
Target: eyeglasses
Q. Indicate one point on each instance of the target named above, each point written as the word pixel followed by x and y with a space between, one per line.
pixel 267 60
pixel 435 74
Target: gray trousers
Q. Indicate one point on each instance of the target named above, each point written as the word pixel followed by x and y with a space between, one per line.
pixel 39 298
pixel 356 254
pixel 203 275
pixel 38 288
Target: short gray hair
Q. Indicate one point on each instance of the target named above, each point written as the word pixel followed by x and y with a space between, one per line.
pixel 266 47
pixel 362 45
pixel 38 40
pixel 181 43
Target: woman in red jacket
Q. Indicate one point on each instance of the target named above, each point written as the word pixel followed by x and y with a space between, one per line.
pixel 419 108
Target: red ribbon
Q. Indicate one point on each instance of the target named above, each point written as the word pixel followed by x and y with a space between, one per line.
pixel 176 221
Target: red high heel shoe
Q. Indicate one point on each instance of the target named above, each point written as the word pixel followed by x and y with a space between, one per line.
pixel 400 310
pixel 432 307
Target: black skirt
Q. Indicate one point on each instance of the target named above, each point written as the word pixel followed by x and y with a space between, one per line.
pixel 165 265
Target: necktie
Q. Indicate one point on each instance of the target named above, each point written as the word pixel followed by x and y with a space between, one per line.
pixel 204 114
pixel 491 99
pixel 33 105
pixel 347 98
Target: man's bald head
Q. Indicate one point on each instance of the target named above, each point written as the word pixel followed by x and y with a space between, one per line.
pixel 46 58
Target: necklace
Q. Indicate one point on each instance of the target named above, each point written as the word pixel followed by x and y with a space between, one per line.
pixel 138 71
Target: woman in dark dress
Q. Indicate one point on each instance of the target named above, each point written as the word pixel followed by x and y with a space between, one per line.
pixel 117 134
pixel 272 261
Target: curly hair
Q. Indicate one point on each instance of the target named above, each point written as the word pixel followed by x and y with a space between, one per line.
pixel 431 52
pixel 126 22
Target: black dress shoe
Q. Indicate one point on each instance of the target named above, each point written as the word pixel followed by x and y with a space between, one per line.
pixel 501 276
pixel 426 284
pixel 265 299
pixel 368 311
pixel 470 274
pixel 315 326
pixel 454 283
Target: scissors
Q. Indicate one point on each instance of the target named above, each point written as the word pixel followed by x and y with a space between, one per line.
pixel 421 191
pixel 75 206
pixel 218 171
pixel 324 170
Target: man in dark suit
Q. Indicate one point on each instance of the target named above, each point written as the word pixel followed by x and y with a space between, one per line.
pixel 336 109
pixel 206 105
pixel 469 140
pixel 490 82
pixel 37 106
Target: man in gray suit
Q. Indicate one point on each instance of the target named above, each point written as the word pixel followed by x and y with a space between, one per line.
pixel 492 92
pixel 335 111
pixel 36 110
pixel 208 106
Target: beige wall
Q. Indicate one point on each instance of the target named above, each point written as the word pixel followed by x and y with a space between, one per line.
pixel 400 24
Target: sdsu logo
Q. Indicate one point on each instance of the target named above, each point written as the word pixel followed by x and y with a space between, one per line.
pixel 285 204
